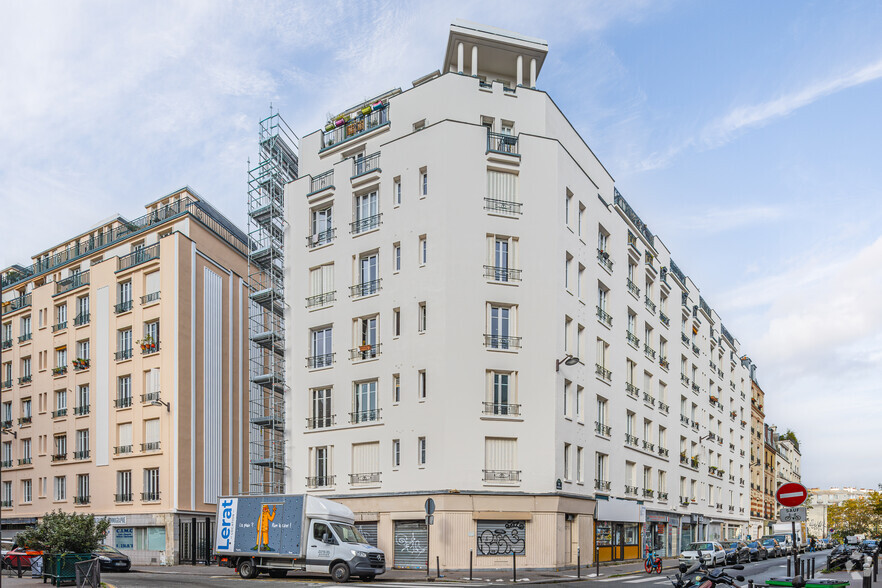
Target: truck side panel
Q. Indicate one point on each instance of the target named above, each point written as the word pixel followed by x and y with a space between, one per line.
pixel 260 525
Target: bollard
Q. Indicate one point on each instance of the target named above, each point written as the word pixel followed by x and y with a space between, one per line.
pixel 750 584
pixel 813 568
pixel 19 566
pixel 578 562
pixel 514 567
pixel 876 566
pixel 802 568
pixel 827 567
pixel 788 567
pixel 471 554
pixel 867 577
pixel 438 566
pixel 596 561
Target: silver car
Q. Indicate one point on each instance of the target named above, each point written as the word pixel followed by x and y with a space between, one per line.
pixel 710 552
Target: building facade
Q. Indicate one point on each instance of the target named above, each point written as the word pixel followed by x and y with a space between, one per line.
pixel 758 521
pixel 123 365
pixel 788 461
pixel 770 474
pixel 821 499
pixel 483 320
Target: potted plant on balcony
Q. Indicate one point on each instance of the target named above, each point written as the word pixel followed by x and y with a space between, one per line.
pixel 713 399
pixel 147 343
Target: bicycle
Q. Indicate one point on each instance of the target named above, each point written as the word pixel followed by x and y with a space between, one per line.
pixel 652 563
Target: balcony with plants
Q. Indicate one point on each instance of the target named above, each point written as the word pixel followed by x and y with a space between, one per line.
pixel 351 125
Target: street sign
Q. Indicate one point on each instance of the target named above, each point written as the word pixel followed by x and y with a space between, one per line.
pixel 792 514
pixel 430 506
pixel 791 494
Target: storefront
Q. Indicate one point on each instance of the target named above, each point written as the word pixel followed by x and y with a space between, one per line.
pixel 661 530
pixel 692 528
pixel 618 529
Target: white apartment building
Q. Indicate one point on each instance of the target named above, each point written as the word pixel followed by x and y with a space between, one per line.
pixel 789 460
pixel 483 320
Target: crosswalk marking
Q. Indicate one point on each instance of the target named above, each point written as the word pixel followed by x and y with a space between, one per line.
pixel 640 580
pixel 856 575
pixel 610 580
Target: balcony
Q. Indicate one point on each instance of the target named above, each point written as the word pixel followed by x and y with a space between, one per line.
pixel 150 496
pixel 320 361
pixel 365 352
pixel 604 317
pixel 321 182
pixel 80 364
pixel 633 288
pixel 149 397
pixel 121 307
pixel 365 224
pixel 6 384
pixel 365 478
pixel 695 426
pixel 5 423
pixel 122 497
pixel 502 274
pixel 365 416
pixel 503 206
pixel 16 304
pixel 25 379
pixel 631 389
pixel 650 305
pixel 684 419
pixel 72 283
pixel 123 355
pixel 59 457
pixel 148 298
pixel 320 238
pixel 602 485
pixel 7 343
pixel 346 129
pixel 61 412
pixel 365 288
pixel 59 326
pixel 631 440
pixel 497 476
pixel 322 422
pixel 59 371
pixel 632 339
pixel 696 388
pixel 631 490
pixel 25 420
pixel 650 447
pixel 24 461
pixel 502 409
pixel 662 495
pixel 122 402
pixel 663 452
pixel 82 319
pixel 81 410
pixel 122 450
pixel 365 165
pixel 663 362
pixel 503 342
pixel 695 349
pixel 663 407
pixel 137 257
pixel 501 143
pixel 602 429
pixel 648 493
pixel 602 372
pixel 150 446
pixel 649 351
pixel 604 260
pixel 82 500
pixel 321 299
pixel 648 399
pixel 24 338
pixel 664 319
pixel 320 481
pixel 83 454
pixel 684 339
pixel 6 463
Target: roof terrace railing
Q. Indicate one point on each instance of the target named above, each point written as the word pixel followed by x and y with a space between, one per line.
pixel 629 212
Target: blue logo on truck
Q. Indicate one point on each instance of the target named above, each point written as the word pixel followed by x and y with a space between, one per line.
pixel 226 527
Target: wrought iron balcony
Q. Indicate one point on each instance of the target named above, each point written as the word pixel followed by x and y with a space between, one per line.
pixel 350 129
pixel 648 493
pixel 502 342
pixel 61 412
pixel 650 305
pixel 684 338
pixel 322 422
pixel 365 478
pixel 630 489
pixel 502 475
pixel 502 274
pixel 365 224
pixel 320 361
pixel 5 423
pixel 321 299
pixel 649 351
pixel 633 288
pixel 82 499
pixel 502 409
pixel 321 238
pixel 631 440
pixel 17 303
pixel 364 352
pixel 122 450
pixel 7 343
pixel 25 420
pixel 632 339
pixel 662 495
pixel 81 410
pixel 81 454
pixel 82 319
pixel 696 388
pixel 500 143
pixel 684 419
pixel 664 319
pixel 150 496
pixel 603 372
pixel 25 337
pixel 320 481
pixel 122 497
pixel 59 457
pixel 602 485
pixel 149 348
pixel 503 206
pixel 80 364
pixel 695 425
pixel 663 452
pixel 122 402
pixel 121 307
pixel 631 389
pixel 148 397
pixel 365 416
pixel 321 181
pixel 695 349
pixel 71 283
pixel 648 399
pixel 24 461
pixel 137 257
pixel 663 362
pixel 59 326
pixel 366 164
pixel 5 464
pixel 647 446
pixel 602 429
pixel 663 407
pixel 6 383
pixel 25 379
pixel 59 371
pixel 365 288
pixel 604 317
pixel 604 260
pixel 148 298
pixel 150 446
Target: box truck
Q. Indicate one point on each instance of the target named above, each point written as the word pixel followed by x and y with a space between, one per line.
pixel 275 534
pixel 786 529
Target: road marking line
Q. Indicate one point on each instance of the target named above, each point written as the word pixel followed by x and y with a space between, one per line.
pixel 640 580
pixel 856 576
pixel 611 579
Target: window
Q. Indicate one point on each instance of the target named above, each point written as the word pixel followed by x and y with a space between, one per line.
pixel 566 397
pixel 321 409
pixel 26 326
pixel 26 408
pixel 124 344
pixel 421 317
pixel 602 353
pixel 321 348
pixel 83 496
pixel 61 357
pixel 581 216
pixel 320 467
pixel 151 484
pixel 424 182
pixel 602 240
pixel 321 286
pixel 501 328
pixel 421 378
pixel 396 257
pixel 600 471
pixel 61 402
pixel 123 391
pixel 580 410
pixel 579 457
pixel 61 316
pixel 365 403
pixel 368 273
pixel 7 493
pixel 366 342
pixel 502 259
pixel 7 332
pixel 396 322
pixel 322 226
pixel 396 192
pixel 568 334
pixel 83 350
pixel 82 444
pixel 502 400
pixel 365 463
pixel 60 451
pixel 367 215
pixel 151 335
pixel 26 367
pixel 82 406
pixel 396 453
pixel 27 491
pixel 60 486
pixel 123 438
pixel 26 450
pixel 124 296
pixel 123 486
pixel 423 250
pixel 396 388
pixel 421 451
pixel 568 204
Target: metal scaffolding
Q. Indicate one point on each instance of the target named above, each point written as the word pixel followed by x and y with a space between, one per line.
pixel 277 165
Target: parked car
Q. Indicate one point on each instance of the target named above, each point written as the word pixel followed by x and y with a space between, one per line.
pixel 757 551
pixel 737 552
pixel 772 547
pixel 12 557
pixel 784 544
pixel 711 552
pixel 112 559
pixel 869 546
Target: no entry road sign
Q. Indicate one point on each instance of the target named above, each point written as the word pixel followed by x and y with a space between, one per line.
pixel 791 494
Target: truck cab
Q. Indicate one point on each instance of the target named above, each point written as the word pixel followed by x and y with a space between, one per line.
pixel 339 548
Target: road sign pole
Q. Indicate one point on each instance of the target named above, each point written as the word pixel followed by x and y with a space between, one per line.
pixel 795 549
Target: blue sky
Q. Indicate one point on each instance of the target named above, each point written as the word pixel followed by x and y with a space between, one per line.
pixel 746 134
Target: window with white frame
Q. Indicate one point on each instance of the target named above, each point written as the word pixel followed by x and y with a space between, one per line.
pixel 567 386
pixel 568 205
pixel 424 182
pixel 568 271
pixel 600 470
pixel 396 191
pixel 501 397
pixel 151 484
pixel 601 411
pixel 83 349
pixel 60 488
pixel 61 357
pixel 321 348
pixel 422 383
pixel 7 492
pixel 368 275
pixel 421 317
pixel 580 478
pixel 502 192
pixel 124 486
pixel 27 491
pixel 322 226
pixel 396 453
pixel 83 495
pixel 501 331
pixel 321 416
pixel 364 402
pixel 396 322
pixel 396 257
pixel 320 467
pixel 502 252
pixel 421 451
pixel 423 250
pixel 396 388
pixel 567 475
pixel 367 214
pixel 61 402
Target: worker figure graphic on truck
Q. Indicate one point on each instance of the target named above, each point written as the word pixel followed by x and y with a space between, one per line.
pixel 262 543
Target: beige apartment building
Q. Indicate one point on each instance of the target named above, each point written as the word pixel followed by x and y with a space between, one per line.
pixel 125 377
pixel 758 522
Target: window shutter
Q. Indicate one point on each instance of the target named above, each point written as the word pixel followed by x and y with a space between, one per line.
pixel 500 454
pixel 125 434
pixel 502 186
pixel 315 281
pixel 152 282
pixel 151 430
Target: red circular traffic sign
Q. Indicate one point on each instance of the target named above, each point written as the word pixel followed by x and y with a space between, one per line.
pixel 791 494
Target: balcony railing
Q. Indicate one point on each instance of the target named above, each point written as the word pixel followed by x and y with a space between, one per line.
pixel 502 342
pixel 123 402
pixel 602 485
pixel 648 493
pixel 321 181
pixel 122 450
pixel 320 481
pixel 61 412
pixel 81 364
pixel 504 206
pixel 649 351
pixel 6 383
pixel 620 201
pixel 604 260
pixel 59 457
pixel 150 496
pixel 82 319
pixel 502 475
pixel 631 389
pixel 365 224
pixel 5 464
pixel 663 362
pixel 321 299
pixel 502 409
pixel 650 305
pixel 320 361
pixel 664 319
pixel 148 397
pixel 663 452
pixel 82 499
pixel 602 429
pixel 121 307
pixel 81 410
pixel 684 379
pixel 695 425
pixel 631 440
pixel 322 422
pixel 501 143
pixel 321 238
pixel 150 446
pixel 365 288
pixel 59 371
pixel 647 446
pixel 684 339
pixel 663 407
pixel 25 420
pixel 81 454
pixel 149 348
pixel 604 317
pixel 696 388
pixel 695 349
pixel 648 399
pixel 603 372
pixel 633 288
pixel 25 337
pixel 632 338
pixel 122 497
pixel 148 298
pixel 17 304
pixel 364 416
pixel 630 489
pixel 26 379
pixel 662 495
pixel 365 478
pixel 684 419
pixel 123 354
pixel 502 274
pixel 364 352
pixel 24 461
pixel 366 164
pixel 59 326
pixel 138 257
pixel 71 283
pixel 355 127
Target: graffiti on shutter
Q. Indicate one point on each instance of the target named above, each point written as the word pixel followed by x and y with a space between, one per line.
pixel 369 530
pixel 502 537
pixel 411 545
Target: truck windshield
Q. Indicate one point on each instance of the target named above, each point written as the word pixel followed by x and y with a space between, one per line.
pixel 348 534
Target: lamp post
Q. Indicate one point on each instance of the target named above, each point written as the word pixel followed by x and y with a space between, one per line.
pixel 161 403
pixel 567 360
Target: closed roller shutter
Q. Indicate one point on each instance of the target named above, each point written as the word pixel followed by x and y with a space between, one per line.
pixel 411 545
pixel 369 530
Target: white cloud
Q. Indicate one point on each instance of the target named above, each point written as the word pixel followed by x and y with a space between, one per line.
pixel 718 220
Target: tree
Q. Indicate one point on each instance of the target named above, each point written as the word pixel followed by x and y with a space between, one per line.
pixel 855 516
pixel 61 532
pixel 792 436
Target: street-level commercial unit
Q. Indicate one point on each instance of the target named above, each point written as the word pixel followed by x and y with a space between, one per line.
pixel 124 376
pixel 478 316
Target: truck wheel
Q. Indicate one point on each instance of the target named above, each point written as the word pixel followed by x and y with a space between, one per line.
pixel 247 569
pixel 278 573
pixel 340 572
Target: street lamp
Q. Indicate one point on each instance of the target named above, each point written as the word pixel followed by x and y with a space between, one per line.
pixel 9 431
pixel 567 360
pixel 161 403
